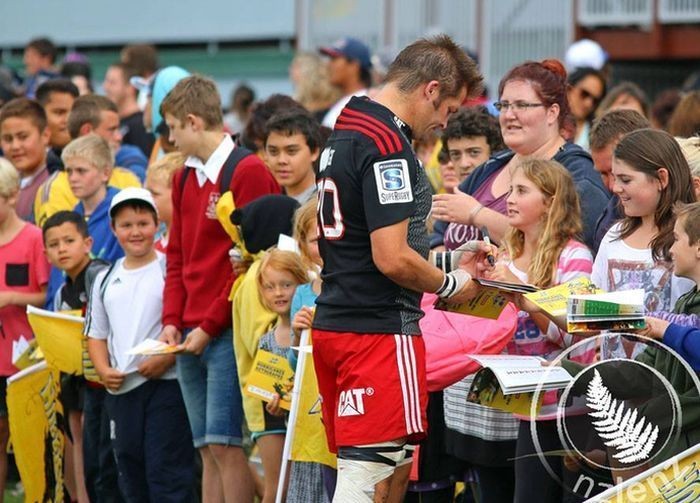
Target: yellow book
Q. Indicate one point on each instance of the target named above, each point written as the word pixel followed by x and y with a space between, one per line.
pixel 486 391
pixel 553 300
pixel 271 374
pixel 488 303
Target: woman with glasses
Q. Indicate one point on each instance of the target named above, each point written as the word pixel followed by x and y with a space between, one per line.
pixel 587 88
pixel 534 120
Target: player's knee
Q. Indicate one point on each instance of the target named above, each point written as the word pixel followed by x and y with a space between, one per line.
pixel 360 468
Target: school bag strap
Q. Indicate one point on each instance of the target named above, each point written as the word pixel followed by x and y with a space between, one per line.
pixel 236 156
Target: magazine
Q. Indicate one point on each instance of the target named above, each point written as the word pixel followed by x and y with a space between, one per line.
pixel 606 311
pixel 271 374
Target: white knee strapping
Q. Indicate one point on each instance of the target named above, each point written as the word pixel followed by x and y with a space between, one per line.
pixel 357 478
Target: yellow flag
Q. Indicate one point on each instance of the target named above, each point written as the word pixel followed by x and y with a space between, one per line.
pixel 60 337
pixel 36 419
pixel 676 480
pixel 310 442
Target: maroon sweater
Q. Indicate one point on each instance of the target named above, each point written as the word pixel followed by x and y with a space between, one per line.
pixel 199 275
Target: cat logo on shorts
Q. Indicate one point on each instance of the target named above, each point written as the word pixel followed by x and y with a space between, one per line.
pixel 351 403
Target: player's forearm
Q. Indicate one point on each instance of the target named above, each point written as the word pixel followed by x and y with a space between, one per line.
pixel 409 270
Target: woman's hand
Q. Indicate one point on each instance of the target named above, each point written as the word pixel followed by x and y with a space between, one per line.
pixel 455 207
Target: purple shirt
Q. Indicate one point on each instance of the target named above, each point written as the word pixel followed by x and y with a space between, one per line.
pixel 458 234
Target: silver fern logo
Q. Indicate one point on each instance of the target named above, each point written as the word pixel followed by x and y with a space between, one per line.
pixel 621 428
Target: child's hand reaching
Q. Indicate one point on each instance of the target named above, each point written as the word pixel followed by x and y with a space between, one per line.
pixel 655 329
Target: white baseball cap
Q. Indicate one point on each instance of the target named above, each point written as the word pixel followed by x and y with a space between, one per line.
pixel 132 194
pixel 585 53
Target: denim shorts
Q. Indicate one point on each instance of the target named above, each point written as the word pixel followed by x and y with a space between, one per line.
pixel 211 392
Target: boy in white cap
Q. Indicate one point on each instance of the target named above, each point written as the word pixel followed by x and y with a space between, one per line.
pixel 150 434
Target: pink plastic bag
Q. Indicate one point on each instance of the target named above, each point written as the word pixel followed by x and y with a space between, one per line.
pixel 450 337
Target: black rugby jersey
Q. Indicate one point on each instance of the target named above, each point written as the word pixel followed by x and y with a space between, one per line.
pixel 369 178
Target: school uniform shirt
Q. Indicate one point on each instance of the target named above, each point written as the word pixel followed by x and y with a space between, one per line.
pixel 199 278
pixel 23 269
pixel 124 309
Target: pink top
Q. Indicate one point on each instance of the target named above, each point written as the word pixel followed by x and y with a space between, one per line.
pixel 23 268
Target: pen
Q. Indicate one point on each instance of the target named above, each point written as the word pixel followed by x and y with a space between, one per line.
pixel 487 240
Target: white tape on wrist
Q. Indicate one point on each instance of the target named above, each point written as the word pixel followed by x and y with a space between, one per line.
pixel 453 282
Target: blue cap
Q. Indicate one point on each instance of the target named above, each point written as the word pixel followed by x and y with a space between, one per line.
pixel 350 48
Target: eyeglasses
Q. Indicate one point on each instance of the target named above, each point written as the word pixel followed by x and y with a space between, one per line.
pixel 517 106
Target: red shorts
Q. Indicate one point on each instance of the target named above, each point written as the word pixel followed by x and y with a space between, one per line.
pixel 373 387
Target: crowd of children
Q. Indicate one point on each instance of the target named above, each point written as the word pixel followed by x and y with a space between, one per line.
pixel 171 232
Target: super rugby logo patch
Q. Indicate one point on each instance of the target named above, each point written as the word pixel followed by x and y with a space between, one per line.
pixel 393 182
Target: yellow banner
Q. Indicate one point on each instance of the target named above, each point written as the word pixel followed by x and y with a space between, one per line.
pixel 674 481
pixel 60 337
pixel 36 431
pixel 310 437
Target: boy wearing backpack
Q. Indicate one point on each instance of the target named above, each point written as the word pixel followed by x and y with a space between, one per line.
pixel 197 284
pixel 149 430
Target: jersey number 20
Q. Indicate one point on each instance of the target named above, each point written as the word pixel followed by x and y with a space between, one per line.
pixel 329 214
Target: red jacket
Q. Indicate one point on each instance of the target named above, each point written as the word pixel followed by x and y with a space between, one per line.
pixel 199 275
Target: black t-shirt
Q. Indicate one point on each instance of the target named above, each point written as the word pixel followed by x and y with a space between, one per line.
pixel 369 178
pixel 135 133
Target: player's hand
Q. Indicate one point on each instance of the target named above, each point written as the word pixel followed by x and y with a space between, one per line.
pixel 273 407
pixel 112 378
pixel 303 319
pixel 455 207
pixel 196 341
pixel 170 335
pixel 155 366
pixel 465 294
pixel 655 329
pixel 475 257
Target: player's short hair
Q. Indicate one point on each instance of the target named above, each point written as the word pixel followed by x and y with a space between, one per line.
pixel 609 127
pixel 86 110
pixel 91 147
pixel 194 95
pixel 26 109
pixel 62 217
pixel 689 214
pixel 436 58
pixel 290 122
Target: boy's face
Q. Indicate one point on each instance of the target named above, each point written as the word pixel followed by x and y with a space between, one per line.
pixel 290 159
pixel 182 134
pixel 84 178
pixel 24 144
pixel 468 152
pixel 66 248
pixel 33 61
pixel 161 193
pixel 135 231
pixel 686 256
pixel 57 109
pixel 108 128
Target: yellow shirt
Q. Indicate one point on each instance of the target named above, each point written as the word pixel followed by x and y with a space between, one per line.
pixel 54 194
